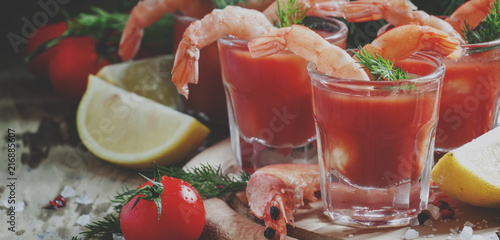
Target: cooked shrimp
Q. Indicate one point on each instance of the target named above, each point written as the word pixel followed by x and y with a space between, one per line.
pixel 306 43
pixel 473 12
pixel 319 8
pixel 402 41
pixel 334 61
pixel 147 12
pixel 274 192
pixel 396 12
pixel 232 20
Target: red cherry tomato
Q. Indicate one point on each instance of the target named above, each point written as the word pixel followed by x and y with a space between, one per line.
pixel 182 216
pixel 69 68
pixel 39 65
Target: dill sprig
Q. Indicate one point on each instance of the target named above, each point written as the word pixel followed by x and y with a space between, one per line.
pixel 209 181
pixel 290 12
pixel 220 4
pixel 378 68
pixel 487 30
pixel 104 228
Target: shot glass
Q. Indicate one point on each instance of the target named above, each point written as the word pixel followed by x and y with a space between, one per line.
pixel 376 141
pixel 470 100
pixel 207 99
pixel 269 101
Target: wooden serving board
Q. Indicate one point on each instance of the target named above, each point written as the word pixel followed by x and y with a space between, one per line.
pixel 230 218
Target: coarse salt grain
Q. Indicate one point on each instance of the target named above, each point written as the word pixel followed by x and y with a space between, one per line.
pixel 117 236
pixel 494 237
pixel 434 210
pixel 350 236
pixel 466 233
pixel 469 224
pixel 84 199
pixel 68 192
pixel 83 219
pixel 411 234
pixel 428 222
pixel 18 206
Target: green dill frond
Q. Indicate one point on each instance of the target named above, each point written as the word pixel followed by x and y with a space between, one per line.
pixel 209 181
pixel 380 69
pixel 106 227
pixel 221 4
pixel 289 13
pixel 487 30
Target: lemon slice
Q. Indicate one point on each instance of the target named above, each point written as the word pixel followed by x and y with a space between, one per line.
pixel 148 77
pixel 471 173
pixel 130 130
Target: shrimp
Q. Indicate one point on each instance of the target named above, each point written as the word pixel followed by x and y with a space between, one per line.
pixel 274 192
pixel 306 43
pixel 334 61
pixel 472 12
pixel 232 20
pixel 319 8
pixel 396 12
pixel 147 12
pixel 415 38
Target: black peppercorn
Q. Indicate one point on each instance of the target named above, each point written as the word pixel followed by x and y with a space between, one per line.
pixel 275 213
pixel 269 233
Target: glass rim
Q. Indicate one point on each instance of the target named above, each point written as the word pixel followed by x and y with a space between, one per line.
pixel 439 72
pixel 229 39
pixel 466 46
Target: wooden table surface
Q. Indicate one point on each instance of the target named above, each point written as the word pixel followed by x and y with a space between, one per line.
pixel 50 156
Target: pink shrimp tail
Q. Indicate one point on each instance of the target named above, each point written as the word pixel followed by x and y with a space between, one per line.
pixel 359 11
pixel 130 41
pixel 269 43
pixel 185 69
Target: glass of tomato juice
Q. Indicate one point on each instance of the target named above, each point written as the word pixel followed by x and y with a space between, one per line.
pixel 375 141
pixel 470 101
pixel 207 99
pixel 269 100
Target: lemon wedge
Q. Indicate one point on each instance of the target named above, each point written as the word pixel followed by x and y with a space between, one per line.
pixel 129 130
pixel 149 77
pixel 471 173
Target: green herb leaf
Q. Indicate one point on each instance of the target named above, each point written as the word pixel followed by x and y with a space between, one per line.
pixel 104 228
pixel 208 181
pixel 220 4
pixel 289 13
pixel 487 30
pixel 378 68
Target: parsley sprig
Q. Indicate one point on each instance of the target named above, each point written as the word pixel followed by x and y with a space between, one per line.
pixel 487 30
pixel 380 69
pixel 289 12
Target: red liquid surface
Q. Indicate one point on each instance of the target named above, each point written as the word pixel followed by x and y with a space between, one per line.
pixel 207 97
pixel 378 140
pixel 470 93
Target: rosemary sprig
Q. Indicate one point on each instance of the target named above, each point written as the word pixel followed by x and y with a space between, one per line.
pixel 380 69
pixel 487 30
pixel 289 12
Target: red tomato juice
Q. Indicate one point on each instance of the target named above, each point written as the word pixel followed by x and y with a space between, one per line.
pixel 469 103
pixel 376 138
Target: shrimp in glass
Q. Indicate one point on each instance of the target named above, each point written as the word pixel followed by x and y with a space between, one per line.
pixel 274 192
pixel 334 61
pixel 239 22
pixel 306 43
pixel 472 12
pixel 147 12
pixel 395 12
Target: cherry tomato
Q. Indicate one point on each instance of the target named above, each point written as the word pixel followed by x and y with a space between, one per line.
pixel 39 65
pixel 69 68
pixel 182 216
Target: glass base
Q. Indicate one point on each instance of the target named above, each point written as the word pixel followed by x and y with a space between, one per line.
pixel 252 154
pixel 371 218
